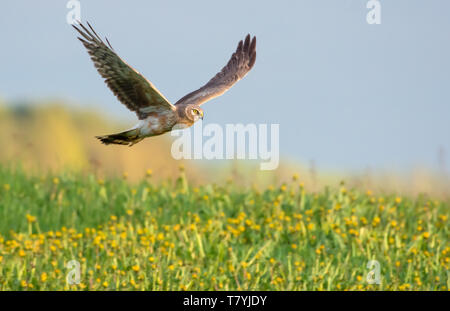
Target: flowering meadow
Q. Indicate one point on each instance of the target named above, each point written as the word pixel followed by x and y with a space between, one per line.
pixel 174 236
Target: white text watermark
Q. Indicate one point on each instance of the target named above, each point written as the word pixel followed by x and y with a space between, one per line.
pixel 235 141
pixel 374 15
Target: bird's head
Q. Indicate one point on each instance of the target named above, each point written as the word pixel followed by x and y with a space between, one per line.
pixel 194 113
pixel 188 114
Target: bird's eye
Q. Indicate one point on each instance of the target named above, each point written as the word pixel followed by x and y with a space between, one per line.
pixel 195 111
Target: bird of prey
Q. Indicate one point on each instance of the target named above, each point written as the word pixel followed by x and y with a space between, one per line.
pixel 155 113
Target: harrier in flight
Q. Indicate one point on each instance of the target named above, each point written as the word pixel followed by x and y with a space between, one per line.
pixel 156 114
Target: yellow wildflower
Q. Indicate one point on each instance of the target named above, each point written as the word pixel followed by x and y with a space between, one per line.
pixel 43 276
pixel 30 218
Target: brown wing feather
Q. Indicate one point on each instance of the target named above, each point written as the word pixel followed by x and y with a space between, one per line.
pixel 130 87
pixel 237 67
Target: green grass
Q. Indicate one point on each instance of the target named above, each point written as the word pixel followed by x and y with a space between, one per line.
pixel 172 236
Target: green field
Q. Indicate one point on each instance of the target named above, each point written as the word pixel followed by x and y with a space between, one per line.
pixel 173 236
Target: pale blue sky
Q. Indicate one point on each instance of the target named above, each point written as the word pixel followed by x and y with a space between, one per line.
pixel 346 94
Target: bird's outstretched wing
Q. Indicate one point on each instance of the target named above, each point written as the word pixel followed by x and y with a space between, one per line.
pixel 130 87
pixel 237 67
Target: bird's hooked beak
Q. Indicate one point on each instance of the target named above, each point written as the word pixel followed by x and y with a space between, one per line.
pixel 201 115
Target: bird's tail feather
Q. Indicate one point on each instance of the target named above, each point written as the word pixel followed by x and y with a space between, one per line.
pixel 129 137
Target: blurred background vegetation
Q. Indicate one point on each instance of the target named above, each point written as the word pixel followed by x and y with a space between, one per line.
pixel 53 136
